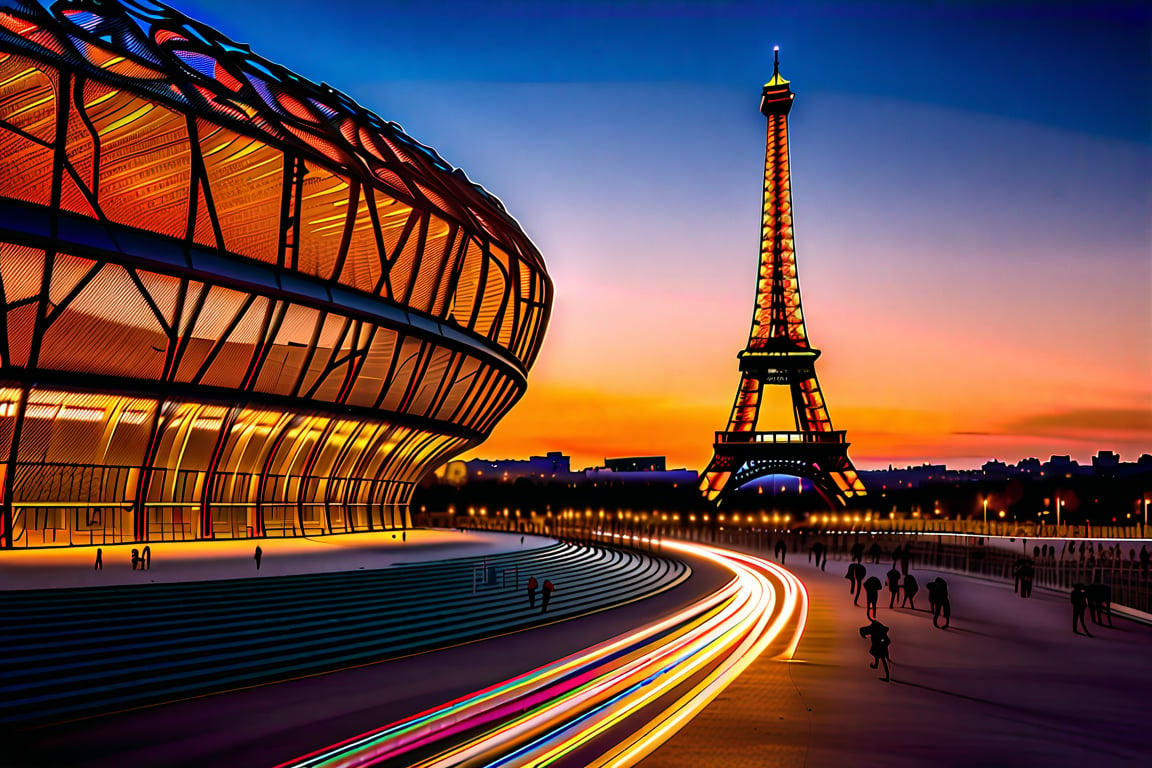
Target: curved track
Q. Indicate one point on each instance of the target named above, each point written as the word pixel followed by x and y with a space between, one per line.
pixel 613 703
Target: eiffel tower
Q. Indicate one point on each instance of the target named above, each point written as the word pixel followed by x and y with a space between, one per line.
pixel 778 352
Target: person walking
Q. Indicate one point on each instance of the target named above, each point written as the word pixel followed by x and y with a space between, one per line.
pixel 872 587
pixel 135 559
pixel 893 585
pixel 1027 574
pixel 821 553
pixel 905 556
pixel 880 642
pixel 147 557
pixel 532 585
pixel 942 607
pixel 99 559
pixel 910 590
pixel 781 550
pixel 856 573
pixel 874 552
pixel 546 594
pixel 857 552
pixel 259 555
pixel 1079 599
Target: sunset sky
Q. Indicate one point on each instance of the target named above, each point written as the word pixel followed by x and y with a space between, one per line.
pixel 972 190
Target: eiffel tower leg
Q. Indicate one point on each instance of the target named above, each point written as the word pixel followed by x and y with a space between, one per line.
pixel 745 412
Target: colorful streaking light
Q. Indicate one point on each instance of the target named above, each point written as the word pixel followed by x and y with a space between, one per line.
pixel 620 699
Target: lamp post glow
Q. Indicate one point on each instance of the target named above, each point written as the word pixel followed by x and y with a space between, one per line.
pixel 985 514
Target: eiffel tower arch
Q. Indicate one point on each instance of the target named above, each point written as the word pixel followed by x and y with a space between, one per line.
pixel 778 353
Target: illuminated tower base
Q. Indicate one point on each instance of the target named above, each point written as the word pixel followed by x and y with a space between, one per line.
pixel 779 354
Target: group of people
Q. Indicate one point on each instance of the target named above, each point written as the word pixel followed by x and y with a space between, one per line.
pixel 1096 599
pixel 141 561
pixel 545 593
pixel 938 601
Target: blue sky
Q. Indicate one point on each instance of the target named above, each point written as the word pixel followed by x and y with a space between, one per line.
pixel 973 188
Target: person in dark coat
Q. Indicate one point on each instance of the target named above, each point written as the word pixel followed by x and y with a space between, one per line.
pixel 1099 602
pixel 1079 603
pixel 896 554
pixel 532 584
pixel 857 552
pixel 821 553
pixel 99 559
pixel 872 587
pixel 146 557
pixel 856 574
pixel 874 552
pixel 893 585
pixel 905 556
pixel 546 595
pixel 941 606
pixel 1027 574
pixel 135 559
pixel 781 550
pixel 880 642
pixel 911 587
pixel 259 555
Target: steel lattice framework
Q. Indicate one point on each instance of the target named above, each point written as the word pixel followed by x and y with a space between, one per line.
pixel 234 301
pixel 779 353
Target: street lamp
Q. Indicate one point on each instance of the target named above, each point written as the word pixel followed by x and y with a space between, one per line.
pixel 985 515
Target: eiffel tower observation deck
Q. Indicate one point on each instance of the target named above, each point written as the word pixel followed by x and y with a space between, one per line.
pixel 778 353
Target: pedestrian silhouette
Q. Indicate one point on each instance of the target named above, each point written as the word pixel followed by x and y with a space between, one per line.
pixel 896 555
pixel 874 552
pixel 893 585
pixel 546 595
pixel 258 556
pixel 910 590
pixel 781 550
pixel 1099 602
pixel 1016 568
pixel 857 552
pixel 880 642
pixel 1079 602
pixel 147 557
pixel 905 556
pixel 99 559
pixel 532 584
pixel 872 587
pixel 941 606
pixel 856 574
pixel 135 559
pixel 821 553
pixel 1027 574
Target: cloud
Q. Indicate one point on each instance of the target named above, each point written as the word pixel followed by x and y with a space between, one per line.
pixel 1097 420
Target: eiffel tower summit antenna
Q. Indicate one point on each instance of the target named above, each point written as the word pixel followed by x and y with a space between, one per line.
pixel 778 352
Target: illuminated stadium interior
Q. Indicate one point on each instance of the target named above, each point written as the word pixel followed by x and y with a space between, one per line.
pixel 235 302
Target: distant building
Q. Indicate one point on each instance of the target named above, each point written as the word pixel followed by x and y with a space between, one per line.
pixel 553 465
pixel 636 464
pixel 1105 460
pixel 994 469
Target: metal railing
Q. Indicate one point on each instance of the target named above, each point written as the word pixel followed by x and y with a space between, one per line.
pixel 781 437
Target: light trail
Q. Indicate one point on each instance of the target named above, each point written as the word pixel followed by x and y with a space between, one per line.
pixel 620 699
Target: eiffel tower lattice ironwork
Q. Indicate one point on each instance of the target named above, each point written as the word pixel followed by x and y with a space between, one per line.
pixel 779 353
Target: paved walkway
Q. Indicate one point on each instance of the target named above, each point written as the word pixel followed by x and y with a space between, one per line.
pixel 1008 684
pixel 233 559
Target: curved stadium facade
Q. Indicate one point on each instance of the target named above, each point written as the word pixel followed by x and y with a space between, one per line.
pixel 235 303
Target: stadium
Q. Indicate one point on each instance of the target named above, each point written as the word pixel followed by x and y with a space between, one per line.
pixel 236 303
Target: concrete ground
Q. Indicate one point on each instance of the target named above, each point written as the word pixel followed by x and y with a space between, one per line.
pixel 1008 684
pixel 233 559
